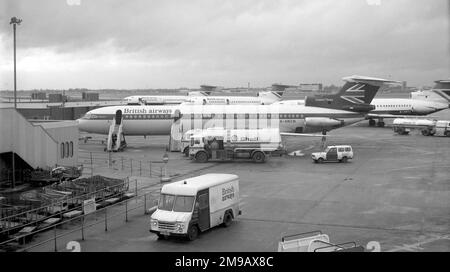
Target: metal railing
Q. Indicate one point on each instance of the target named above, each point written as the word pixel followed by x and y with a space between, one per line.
pixel 129 166
pixel 144 200
pixel 37 215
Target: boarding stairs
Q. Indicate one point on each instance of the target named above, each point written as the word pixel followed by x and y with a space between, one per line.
pixel 116 139
pixel 176 134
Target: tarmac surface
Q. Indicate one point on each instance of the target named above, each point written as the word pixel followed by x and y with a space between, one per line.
pixel 396 191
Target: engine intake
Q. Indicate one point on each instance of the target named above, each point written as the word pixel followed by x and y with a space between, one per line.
pixel 322 122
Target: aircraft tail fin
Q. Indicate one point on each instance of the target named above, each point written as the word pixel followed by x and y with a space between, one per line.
pixel 208 89
pixel 280 88
pixel 356 94
pixel 442 88
pixel 199 93
pixel 269 97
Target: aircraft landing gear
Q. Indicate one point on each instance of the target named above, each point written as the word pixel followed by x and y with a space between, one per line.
pixel 380 124
pixel 371 122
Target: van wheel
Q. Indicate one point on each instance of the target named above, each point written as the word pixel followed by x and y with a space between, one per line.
pixel 161 237
pixel 447 133
pixel 320 160
pixel 344 159
pixel 192 233
pixel 201 156
pixel 315 161
pixel 258 157
pixel 425 132
pixel 227 220
pixel 186 152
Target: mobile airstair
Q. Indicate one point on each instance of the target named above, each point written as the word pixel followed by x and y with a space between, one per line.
pixel 116 139
pixel 176 132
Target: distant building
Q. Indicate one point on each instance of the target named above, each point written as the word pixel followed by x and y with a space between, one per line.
pixel 85 96
pixel 312 87
pixel 404 86
pixel 39 96
pixel 57 98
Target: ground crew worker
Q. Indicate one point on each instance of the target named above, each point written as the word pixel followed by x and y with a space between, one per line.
pixel 214 144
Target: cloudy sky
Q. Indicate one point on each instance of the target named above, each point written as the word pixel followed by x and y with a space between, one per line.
pixel 169 44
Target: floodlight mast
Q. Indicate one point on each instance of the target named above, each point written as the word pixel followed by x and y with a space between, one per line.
pixel 14 21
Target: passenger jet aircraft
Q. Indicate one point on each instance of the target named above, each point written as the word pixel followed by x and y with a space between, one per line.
pixel 321 113
pixel 203 97
pixel 436 100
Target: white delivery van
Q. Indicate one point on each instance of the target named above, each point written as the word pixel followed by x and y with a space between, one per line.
pixel 190 206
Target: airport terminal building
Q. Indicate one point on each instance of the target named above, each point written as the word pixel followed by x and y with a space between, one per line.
pixel 35 145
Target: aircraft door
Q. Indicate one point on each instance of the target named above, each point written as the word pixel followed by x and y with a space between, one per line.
pixel 118 117
pixel 332 154
pixel 176 115
pixel 203 209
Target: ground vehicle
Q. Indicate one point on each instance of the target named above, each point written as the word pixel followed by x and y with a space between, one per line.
pixel 341 153
pixel 314 241
pixel 196 204
pixel 231 144
pixel 186 139
pixel 428 127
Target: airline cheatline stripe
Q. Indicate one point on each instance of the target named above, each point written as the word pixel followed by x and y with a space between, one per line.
pixel 223 116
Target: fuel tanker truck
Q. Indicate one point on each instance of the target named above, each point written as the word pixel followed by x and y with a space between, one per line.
pixel 428 127
pixel 233 144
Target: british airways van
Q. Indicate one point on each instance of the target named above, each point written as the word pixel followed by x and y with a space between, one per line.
pixel 191 206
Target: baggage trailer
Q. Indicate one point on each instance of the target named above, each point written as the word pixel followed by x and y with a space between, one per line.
pixel 194 205
pixel 233 144
pixel 428 127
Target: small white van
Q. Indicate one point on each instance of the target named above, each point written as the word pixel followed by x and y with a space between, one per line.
pixel 341 153
pixel 191 206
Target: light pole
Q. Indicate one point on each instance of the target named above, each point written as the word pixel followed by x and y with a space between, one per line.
pixel 14 22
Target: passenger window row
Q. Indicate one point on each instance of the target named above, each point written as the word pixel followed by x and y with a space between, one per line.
pixel 393 106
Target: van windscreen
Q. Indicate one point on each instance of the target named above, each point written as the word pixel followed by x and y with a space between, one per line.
pixel 166 202
pixel 183 204
pixel 176 203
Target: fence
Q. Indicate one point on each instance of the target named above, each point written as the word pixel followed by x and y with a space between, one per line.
pixel 126 166
pixel 143 201
pixel 6 177
pixel 32 217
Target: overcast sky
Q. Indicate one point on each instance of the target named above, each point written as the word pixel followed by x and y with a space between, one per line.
pixel 170 44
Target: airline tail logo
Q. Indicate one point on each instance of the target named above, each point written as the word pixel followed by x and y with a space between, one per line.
pixel 355 94
pixel 444 94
